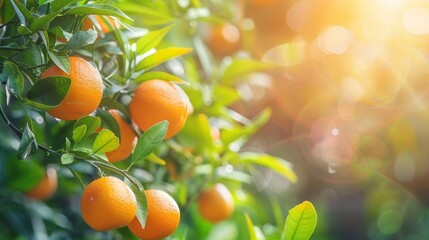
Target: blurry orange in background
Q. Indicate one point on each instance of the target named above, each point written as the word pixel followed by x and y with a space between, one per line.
pixel 97 21
pixel 223 40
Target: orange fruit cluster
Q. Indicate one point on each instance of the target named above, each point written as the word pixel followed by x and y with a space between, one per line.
pixel 216 203
pixel 163 217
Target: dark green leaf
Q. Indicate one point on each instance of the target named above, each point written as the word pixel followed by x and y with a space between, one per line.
pixel 113 104
pixel 152 39
pixel 97 9
pixel 91 123
pixel 30 57
pixel 149 141
pixel 78 133
pixel 15 79
pixel 278 165
pixel 60 61
pixel 141 203
pixel 59 32
pixel 81 39
pixel 161 56
pixel 49 91
pixel 28 144
pixel 105 141
pixel 21 11
pixel 300 222
pixel 158 75
pixel 22 175
pixel 7 12
pixel 42 22
pixel 67 158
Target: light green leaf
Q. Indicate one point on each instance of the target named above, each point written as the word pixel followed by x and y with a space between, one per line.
pixel 67 158
pixel 149 141
pixel 81 39
pixel 91 123
pixel 161 56
pixel 79 132
pixel 158 75
pixel 241 67
pixel 105 141
pixel 151 17
pixel 59 4
pixel 15 79
pixel 300 222
pixel 278 165
pixel 250 227
pixel 152 39
pixel 98 9
pixel 28 144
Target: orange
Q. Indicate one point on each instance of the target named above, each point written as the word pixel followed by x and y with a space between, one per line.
pixel 216 203
pixel 223 40
pixel 85 93
pixel 108 203
pixel 47 186
pixel 128 139
pixel 157 100
pixel 163 217
pixel 97 21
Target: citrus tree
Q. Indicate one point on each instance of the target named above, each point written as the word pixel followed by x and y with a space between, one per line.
pixel 120 113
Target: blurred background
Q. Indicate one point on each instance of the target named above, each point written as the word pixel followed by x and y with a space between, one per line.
pixel 350 110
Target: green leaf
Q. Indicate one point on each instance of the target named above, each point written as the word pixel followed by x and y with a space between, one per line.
pixel 78 133
pixel 59 4
pixel 42 22
pixel 113 104
pixel 278 165
pixel 196 133
pixel 41 2
pixel 28 144
pixel 67 158
pixel 97 9
pixel 250 227
pixel 81 39
pixel 31 57
pixel 161 56
pixel 300 222
pixel 22 175
pixel 152 39
pixel 68 144
pixel 151 17
pixel 15 79
pixel 21 11
pixel 59 32
pixel 60 61
pixel 149 141
pixel 8 12
pixel 105 141
pixel 241 67
pixel 158 75
pixel 141 203
pixel 91 123
pixel 49 91
pixel 108 122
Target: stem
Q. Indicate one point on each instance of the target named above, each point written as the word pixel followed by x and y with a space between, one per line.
pixel 77 177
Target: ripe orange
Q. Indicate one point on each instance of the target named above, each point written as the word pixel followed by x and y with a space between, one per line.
pixel 157 100
pixel 223 40
pixel 47 186
pixel 163 217
pixel 97 21
pixel 128 139
pixel 85 93
pixel 108 203
pixel 216 203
